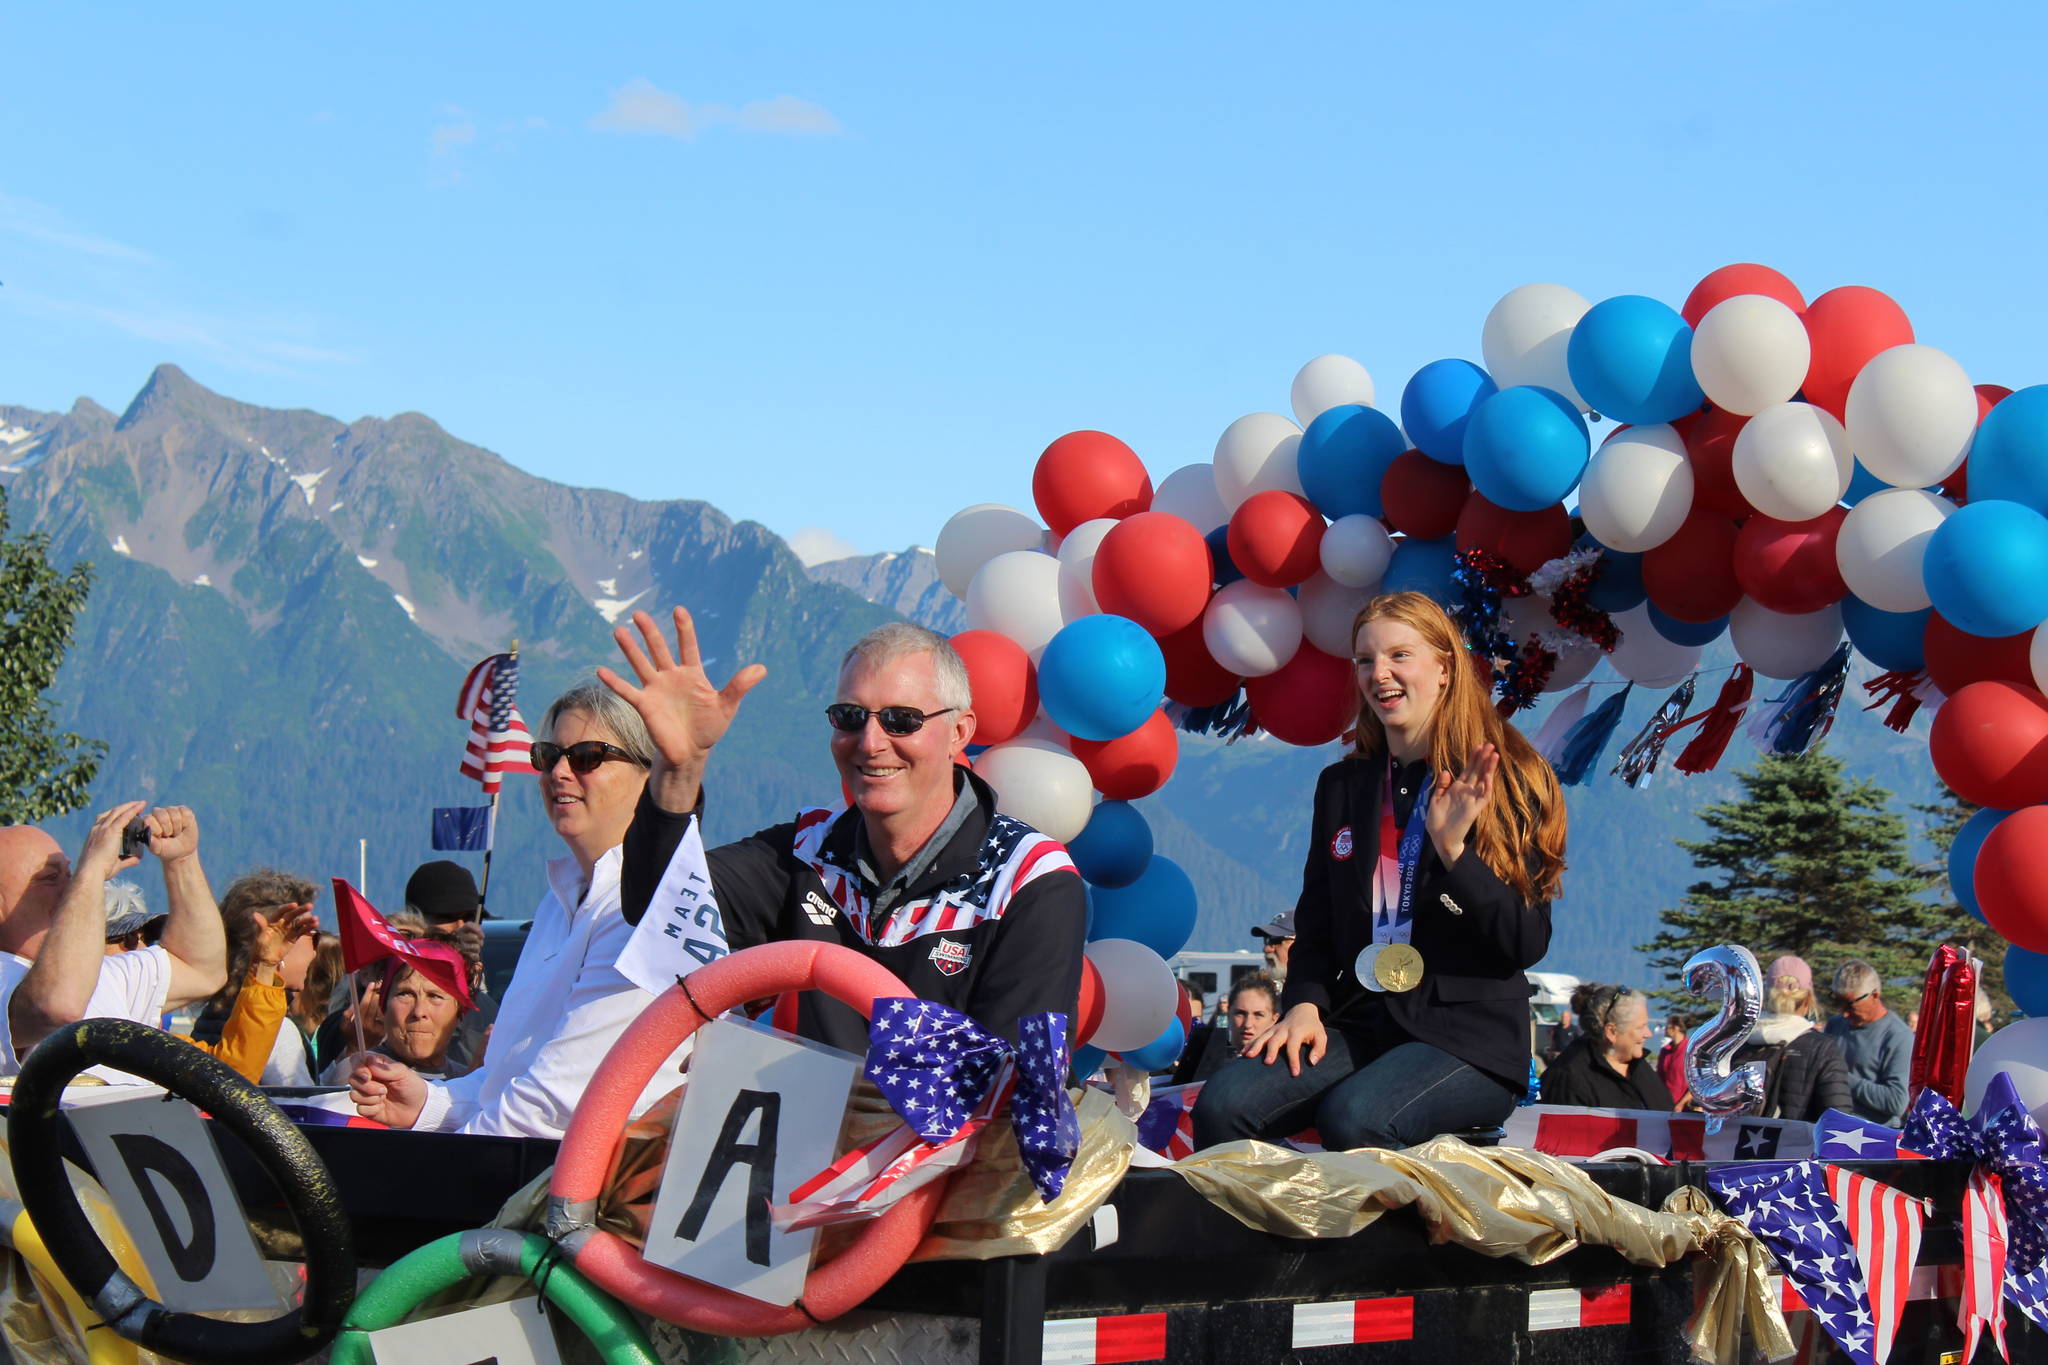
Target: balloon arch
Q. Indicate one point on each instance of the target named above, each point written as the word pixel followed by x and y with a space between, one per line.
pixel 1803 476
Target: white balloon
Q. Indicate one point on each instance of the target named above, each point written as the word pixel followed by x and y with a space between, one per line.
pixel 1911 416
pixel 1256 453
pixel 1781 645
pixel 1574 666
pixel 1793 461
pixel 1018 594
pixel 1327 610
pixel 1328 381
pixel 1526 334
pixel 1251 630
pixel 1355 550
pixel 1883 545
pixel 1190 494
pixel 975 535
pixel 1042 728
pixel 2020 1050
pixel 2037 657
pixel 1750 353
pixel 1644 656
pixel 1041 783
pixel 1637 489
pixel 1139 994
pixel 1077 568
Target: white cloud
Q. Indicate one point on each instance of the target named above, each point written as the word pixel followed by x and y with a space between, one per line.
pixel 41 223
pixel 818 545
pixel 641 106
pixel 251 344
pixel 447 137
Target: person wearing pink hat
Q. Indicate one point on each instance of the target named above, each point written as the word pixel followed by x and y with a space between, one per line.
pixel 1804 1072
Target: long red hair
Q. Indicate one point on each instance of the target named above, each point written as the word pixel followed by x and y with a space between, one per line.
pixel 1521 833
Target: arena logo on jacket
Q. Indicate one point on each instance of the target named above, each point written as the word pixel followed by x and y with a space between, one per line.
pixel 1013 855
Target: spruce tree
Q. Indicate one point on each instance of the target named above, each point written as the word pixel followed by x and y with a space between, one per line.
pixel 42 773
pixel 1945 819
pixel 1811 862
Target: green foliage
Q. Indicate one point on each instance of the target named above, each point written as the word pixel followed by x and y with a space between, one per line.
pixel 1811 862
pixel 42 773
pixel 1946 818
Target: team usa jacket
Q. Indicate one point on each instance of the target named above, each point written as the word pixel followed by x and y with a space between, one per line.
pixel 994 927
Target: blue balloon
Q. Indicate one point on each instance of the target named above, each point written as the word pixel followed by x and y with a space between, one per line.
pixel 2009 457
pixel 1343 456
pixel 1862 483
pixel 1101 677
pixel 1423 566
pixel 1630 358
pixel 1618 585
pixel 1225 568
pixel 1525 448
pixel 1987 567
pixel 1087 1059
pixel 1437 403
pixel 1686 632
pixel 1115 847
pixel 1162 1052
pixel 2026 981
pixel 1962 862
pixel 1894 640
pixel 1157 908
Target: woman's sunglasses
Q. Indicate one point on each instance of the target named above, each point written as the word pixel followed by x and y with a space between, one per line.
pixel 585 756
pixel 896 720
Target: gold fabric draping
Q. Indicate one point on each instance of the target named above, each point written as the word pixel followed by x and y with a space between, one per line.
pixel 1501 1201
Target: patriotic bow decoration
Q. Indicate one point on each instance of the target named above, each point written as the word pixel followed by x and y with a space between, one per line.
pixel 2004 1140
pixel 936 1066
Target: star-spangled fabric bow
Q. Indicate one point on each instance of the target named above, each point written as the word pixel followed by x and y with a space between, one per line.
pixel 2003 1138
pixel 1787 1206
pixel 935 1066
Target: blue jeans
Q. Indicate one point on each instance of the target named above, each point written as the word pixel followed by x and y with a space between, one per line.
pixel 1408 1094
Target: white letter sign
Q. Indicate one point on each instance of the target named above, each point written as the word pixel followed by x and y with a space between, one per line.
pixel 515 1332
pixel 157 1162
pixel 760 1114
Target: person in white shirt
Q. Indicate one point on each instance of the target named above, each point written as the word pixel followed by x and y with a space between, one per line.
pixel 567 1002
pixel 54 967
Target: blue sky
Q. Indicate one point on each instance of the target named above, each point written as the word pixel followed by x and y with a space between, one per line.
pixel 849 268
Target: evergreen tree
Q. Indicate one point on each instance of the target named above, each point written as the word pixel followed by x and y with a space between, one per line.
pixel 42 773
pixel 1807 862
pixel 1945 819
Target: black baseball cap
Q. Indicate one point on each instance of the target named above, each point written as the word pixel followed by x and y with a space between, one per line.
pixel 443 891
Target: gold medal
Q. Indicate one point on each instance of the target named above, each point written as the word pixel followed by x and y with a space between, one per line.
pixel 1398 968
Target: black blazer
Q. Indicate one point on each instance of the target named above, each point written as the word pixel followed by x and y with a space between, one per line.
pixel 1475 934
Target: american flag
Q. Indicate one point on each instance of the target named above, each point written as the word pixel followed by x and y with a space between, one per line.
pixel 1168 1124
pixel 1845 1241
pixel 498 738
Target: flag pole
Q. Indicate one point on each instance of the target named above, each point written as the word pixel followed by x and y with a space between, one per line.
pixel 483 891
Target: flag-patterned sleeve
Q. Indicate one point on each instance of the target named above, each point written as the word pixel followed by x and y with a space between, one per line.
pixel 1034 964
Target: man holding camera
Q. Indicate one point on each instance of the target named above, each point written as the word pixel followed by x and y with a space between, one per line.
pixel 54 967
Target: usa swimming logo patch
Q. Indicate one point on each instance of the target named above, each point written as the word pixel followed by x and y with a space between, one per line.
pixel 950 957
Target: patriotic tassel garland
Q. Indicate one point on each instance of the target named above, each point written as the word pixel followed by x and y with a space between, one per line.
pixel 1638 761
pixel 1718 725
pixel 1582 746
pixel 1905 691
pixel 1801 715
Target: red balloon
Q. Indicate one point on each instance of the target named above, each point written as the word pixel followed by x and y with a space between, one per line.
pixel 1990 743
pixel 1274 537
pixel 1956 487
pixel 1184 1008
pixel 1526 540
pixel 1193 677
pixel 1710 446
pixel 2012 879
pixel 1311 699
pixel 1136 765
pixel 1088 1016
pixel 1692 575
pixel 1956 658
pixel 1789 566
pixel 1088 474
pixel 1004 682
pixel 1423 497
pixel 1731 280
pixel 1153 568
pixel 1846 327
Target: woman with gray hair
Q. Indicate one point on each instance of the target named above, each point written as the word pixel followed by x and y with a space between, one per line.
pixel 567 1002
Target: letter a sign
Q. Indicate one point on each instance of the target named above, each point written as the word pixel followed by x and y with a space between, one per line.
pixel 158 1164
pixel 760 1115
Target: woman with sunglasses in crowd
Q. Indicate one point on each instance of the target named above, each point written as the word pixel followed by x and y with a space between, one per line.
pixel 567 1002
pixel 1436 848
pixel 1608 1065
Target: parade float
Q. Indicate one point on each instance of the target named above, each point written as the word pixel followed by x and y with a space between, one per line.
pixel 1805 476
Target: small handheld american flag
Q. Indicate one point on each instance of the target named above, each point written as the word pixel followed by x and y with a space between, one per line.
pixel 498 738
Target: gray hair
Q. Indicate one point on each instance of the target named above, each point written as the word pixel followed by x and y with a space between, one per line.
pixel 612 713
pixel 1857 978
pixel 124 898
pixel 899 638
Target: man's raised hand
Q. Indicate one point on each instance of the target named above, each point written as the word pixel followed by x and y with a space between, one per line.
pixel 685 715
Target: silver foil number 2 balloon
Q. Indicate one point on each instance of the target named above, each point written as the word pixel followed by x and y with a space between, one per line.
pixel 1730 972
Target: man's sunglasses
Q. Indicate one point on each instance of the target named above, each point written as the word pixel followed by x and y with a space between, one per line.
pixel 585 756
pixel 1851 1001
pixel 896 720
